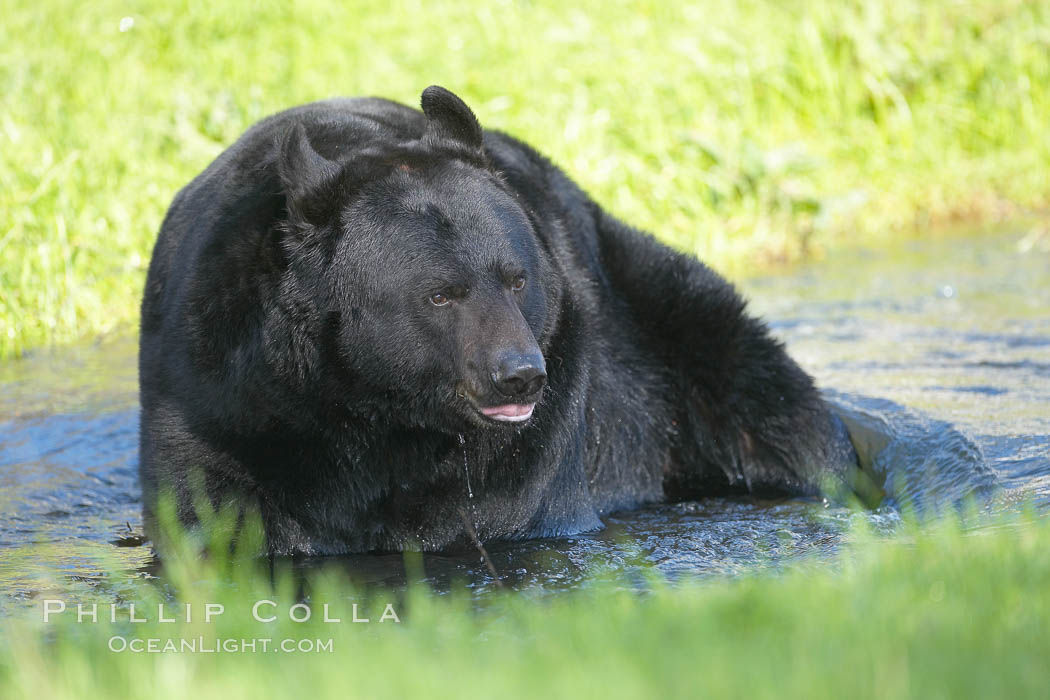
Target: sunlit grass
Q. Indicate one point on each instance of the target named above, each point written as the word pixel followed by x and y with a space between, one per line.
pixel 938 611
pixel 744 131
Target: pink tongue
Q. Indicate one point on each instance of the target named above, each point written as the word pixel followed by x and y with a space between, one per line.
pixel 510 410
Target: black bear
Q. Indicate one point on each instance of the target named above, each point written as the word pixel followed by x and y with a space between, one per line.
pixel 390 329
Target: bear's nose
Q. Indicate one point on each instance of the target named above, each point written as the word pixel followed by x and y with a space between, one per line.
pixel 519 375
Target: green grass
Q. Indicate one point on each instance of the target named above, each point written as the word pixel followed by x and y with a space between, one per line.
pixel 938 612
pixel 745 131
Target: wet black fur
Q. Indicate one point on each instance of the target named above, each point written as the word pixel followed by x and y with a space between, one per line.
pixel 289 356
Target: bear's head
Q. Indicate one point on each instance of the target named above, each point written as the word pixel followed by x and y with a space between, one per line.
pixel 435 296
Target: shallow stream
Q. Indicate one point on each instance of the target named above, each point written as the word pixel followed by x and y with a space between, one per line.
pixel 937 354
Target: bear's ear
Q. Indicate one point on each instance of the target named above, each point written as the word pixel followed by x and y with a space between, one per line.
pixel 307 177
pixel 449 120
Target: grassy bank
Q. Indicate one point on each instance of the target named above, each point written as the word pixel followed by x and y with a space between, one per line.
pixel 941 613
pixel 745 131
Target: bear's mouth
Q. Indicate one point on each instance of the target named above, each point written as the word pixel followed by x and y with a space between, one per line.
pixel 497 410
pixel 509 413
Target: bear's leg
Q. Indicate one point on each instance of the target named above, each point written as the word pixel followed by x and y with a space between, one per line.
pixel 746 415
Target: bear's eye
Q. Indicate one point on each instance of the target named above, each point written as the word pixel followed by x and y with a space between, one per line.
pixel 439 299
pixel 518 284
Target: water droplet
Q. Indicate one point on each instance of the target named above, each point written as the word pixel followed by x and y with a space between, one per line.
pixel 126 23
pixel 470 491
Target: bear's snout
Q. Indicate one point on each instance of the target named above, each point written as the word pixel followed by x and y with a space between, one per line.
pixel 519 375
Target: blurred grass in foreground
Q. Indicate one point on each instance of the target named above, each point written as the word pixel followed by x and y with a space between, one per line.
pixel 747 132
pixel 942 611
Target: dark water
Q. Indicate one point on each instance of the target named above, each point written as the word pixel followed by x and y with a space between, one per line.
pixel 952 336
